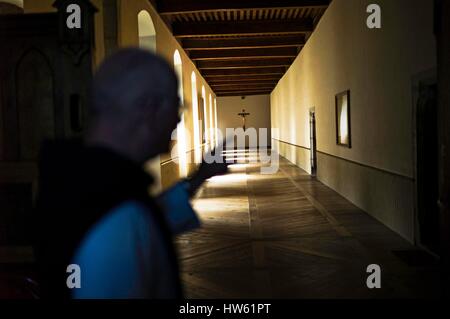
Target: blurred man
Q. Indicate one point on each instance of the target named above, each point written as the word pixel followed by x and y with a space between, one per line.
pixel 94 208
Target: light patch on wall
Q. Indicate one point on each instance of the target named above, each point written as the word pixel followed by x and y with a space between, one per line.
pixel 205 114
pixel 178 65
pixel 211 123
pixel 147 41
pixel 181 129
pixel 197 150
pixel 215 122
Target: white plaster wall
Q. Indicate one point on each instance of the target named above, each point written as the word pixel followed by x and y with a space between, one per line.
pixel 258 106
pixel 377 66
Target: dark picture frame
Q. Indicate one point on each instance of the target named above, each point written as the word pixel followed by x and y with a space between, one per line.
pixel 343 119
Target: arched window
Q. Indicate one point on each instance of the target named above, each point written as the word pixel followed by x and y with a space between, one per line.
pixel 147 33
pixel 211 123
pixel 195 115
pixel 147 41
pixel 205 116
pixel 215 122
pixel 181 129
pixel 178 66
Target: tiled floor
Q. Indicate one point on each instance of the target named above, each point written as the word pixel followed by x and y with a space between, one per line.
pixel 288 236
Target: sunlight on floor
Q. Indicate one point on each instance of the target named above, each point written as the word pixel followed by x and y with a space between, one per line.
pixel 230 178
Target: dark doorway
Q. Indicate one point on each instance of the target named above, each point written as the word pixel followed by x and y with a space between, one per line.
pixel 312 122
pixel 427 182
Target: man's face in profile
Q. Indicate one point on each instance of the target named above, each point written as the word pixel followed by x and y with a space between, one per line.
pixel 164 124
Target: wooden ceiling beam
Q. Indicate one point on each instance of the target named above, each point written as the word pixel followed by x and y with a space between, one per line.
pixel 245 93
pixel 241 78
pixel 246 89
pixel 240 28
pixel 243 63
pixel 256 71
pixel 234 83
pixel 243 53
pixel 242 87
pixel 168 7
pixel 243 43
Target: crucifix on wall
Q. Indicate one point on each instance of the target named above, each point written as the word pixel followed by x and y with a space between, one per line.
pixel 244 115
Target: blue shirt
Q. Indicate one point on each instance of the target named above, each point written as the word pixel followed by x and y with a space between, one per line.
pixel 123 256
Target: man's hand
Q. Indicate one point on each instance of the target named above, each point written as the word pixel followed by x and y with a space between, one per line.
pixel 208 170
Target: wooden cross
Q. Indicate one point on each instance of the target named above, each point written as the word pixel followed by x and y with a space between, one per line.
pixel 243 115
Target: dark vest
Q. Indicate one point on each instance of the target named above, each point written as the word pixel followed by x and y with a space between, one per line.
pixel 78 187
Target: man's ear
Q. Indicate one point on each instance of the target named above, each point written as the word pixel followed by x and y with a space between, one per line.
pixel 160 111
pixel 152 119
pixel 148 113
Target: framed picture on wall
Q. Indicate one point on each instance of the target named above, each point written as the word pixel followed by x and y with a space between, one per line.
pixel 343 127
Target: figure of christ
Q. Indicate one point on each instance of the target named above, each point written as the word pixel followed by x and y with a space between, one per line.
pixel 244 115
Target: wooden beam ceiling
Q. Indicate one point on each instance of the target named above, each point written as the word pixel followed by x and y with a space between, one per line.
pixel 239 28
pixel 243 86
pixel 242 47
pixel 246 88
pixel 170 7
pixel 243 93
pixel 240 83
pixel 243 43
pixel 255 71
pixel 242 53
pixel 242 78
pixel 243 63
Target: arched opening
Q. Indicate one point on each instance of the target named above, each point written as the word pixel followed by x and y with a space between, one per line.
pixel 178 66
pixel 147 32
pixel 181 129
pixel 211 123
pixel 147 41
pixel 197 150
pixel 205 117
pixel 215 122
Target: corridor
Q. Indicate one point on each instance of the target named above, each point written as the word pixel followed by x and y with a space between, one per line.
pixel 352 94
pixel 289 236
